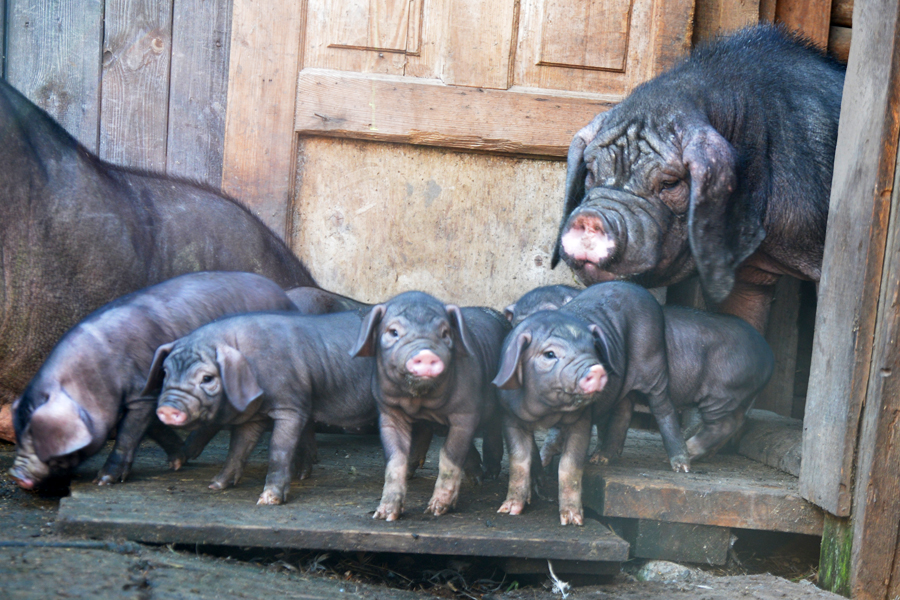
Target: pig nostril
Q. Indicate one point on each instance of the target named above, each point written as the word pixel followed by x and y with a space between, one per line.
pixel 170 415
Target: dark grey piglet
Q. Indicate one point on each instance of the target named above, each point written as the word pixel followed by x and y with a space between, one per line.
pixel 252 370
pixel 434 363
pixel 548 297
pixel 316 301
pixel 91 384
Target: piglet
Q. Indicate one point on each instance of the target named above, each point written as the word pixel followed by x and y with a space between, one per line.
pixel 548 297
pixel 91 384
pixel 434 363
pixel 249 370
pixel 316 301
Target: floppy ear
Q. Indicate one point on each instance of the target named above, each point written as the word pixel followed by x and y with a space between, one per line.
pixel 602 348
pixel 509 376
pixel 365 342
pixel 510 312
pixel 723 227
pixel 456 318
pixel 576 171
pixel 238 379
pixel 59 427
pixel 157 375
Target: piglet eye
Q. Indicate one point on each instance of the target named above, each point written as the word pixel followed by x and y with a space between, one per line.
pixel 550 354
pixel 393 331
pixel 669 184
pixel 206 379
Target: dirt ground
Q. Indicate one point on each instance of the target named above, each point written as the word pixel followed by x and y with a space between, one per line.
pixel 35 562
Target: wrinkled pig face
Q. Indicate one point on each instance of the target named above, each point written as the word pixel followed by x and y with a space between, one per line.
pixel 413 336
pixel 559 361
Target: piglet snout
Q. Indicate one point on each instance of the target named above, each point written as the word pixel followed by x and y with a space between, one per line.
pixel 171 415
pixel 594 381
pixel 425 363
pixel 585 239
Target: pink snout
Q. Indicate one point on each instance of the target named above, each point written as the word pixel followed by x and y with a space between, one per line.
pixel 425 364
pixel 594 381
pixel 586 239
pixel 171 415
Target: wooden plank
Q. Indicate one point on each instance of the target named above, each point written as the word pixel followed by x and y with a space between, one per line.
pixel 782 335
pixel 725 491
pixel 715 17
pixel 865 164
pixel 587 35
pixel 137 50
pixel 842 13
pixel 477 43
pixel 678 542
pixel 772 440
pixel 672 31
pixel 839 42
pixel 379 25
pixel 330 511
pixel 812 18
pixel 201 39
pixel 259 135
pixel 53 57
pixel 387 108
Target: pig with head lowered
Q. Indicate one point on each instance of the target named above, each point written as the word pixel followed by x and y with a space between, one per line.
pixel 250 371
pixel 91 384
pixel 720 167
pixel 434 363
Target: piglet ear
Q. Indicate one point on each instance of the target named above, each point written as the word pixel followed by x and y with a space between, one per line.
pixel 602 346
pixel 456 318
pixel 576 172
pixel 365 341
pixel 59 427
pixel 157 375
pixel 510 312
pixel 509 376
pixel 238 379
pixel 723 226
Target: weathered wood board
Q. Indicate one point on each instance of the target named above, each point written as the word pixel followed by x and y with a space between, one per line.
pixel 726 491
pixel 330 511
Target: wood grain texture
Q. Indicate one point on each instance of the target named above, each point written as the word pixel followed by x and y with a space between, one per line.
pixel 715 17
pixel 476 43
pixel 588 35
pixel 854 256
pixel 385 108
pixel 134 106
pixel 782 335
pixel 374 220
pixel 201 38
pixel 842 13
pixel 773 440
pixel 812 18
pixel 259 134
pixel 380 25
pixel 724 491
pixel 839 39
pixel 53 57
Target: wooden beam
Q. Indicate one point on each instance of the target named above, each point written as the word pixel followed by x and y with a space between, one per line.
pixel 842 13
pixel 782 335
pixel 262 76
pixel 396 109
pixel 812 18
pixel 715 17
pixel 839 39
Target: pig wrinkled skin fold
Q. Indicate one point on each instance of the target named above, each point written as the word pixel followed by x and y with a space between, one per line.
pixel 720 167
pixel 84 232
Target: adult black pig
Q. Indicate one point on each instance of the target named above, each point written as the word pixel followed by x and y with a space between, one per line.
pixel 721 166
pixel 434 363
pixel 252 370
pixel 91 384
pixel 76 233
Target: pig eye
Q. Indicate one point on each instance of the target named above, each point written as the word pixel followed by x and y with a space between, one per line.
pixel 550 354
pixel 668 184
pixel 393 331
pixel 206 379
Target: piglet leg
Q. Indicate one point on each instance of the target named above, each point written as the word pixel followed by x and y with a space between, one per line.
pixel 396 437
pixel 139 413
pixel 243 439
pixel 452 457
pixel 289 424
pixel 670 430
pixel 492 445
pixel 422 432
pixel 571 470
pixel 198 439
pixel 519 442
pixel 616 432
pixel 553 445
pixel 307 452
pixel 169 441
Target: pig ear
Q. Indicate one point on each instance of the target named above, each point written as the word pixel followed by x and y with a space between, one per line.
pixel 509 376
pixel 59 427
pixel 576 171
pixel 510 312
pixel 157 375
pixel 238 379
pixel 456 318
pixel 723 226
pixel 602 346
pixel 365 342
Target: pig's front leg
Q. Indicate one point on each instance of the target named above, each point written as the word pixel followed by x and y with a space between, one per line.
pixel 519 443
pixel 615 433
pixel 492 445
pixel 307 452
pixel 139 414
pixel 670 430
pixel 289 424
pixel 243 439
pixel 450 464
pixel 198 439
pixel 396 437
pixel 169 441
pixel 422 432
pixel 553 445
pixel 571 470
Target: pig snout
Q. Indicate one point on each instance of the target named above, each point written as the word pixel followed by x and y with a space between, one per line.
pixel 171 415
pixel 594 381
pixel 425 363
pixel 585 238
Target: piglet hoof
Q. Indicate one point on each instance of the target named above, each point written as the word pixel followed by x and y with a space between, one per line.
pixel 475 477
pixel 599 458
pixel 512 507
pixel 105 480
pixel 571 516
pixel 270 498
pixel 681 464
pixel 388 512
pixel 222 483
pixel 437 507
pixel 176 463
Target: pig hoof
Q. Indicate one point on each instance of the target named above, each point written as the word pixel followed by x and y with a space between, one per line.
pixel 177 463
pixel 571 516
pixel 269 498
pixel 598 458
pixel 437 508
pixel 512 507
pixel 387 513
pixel 681 464
pixel 220 484
pixel 105 480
